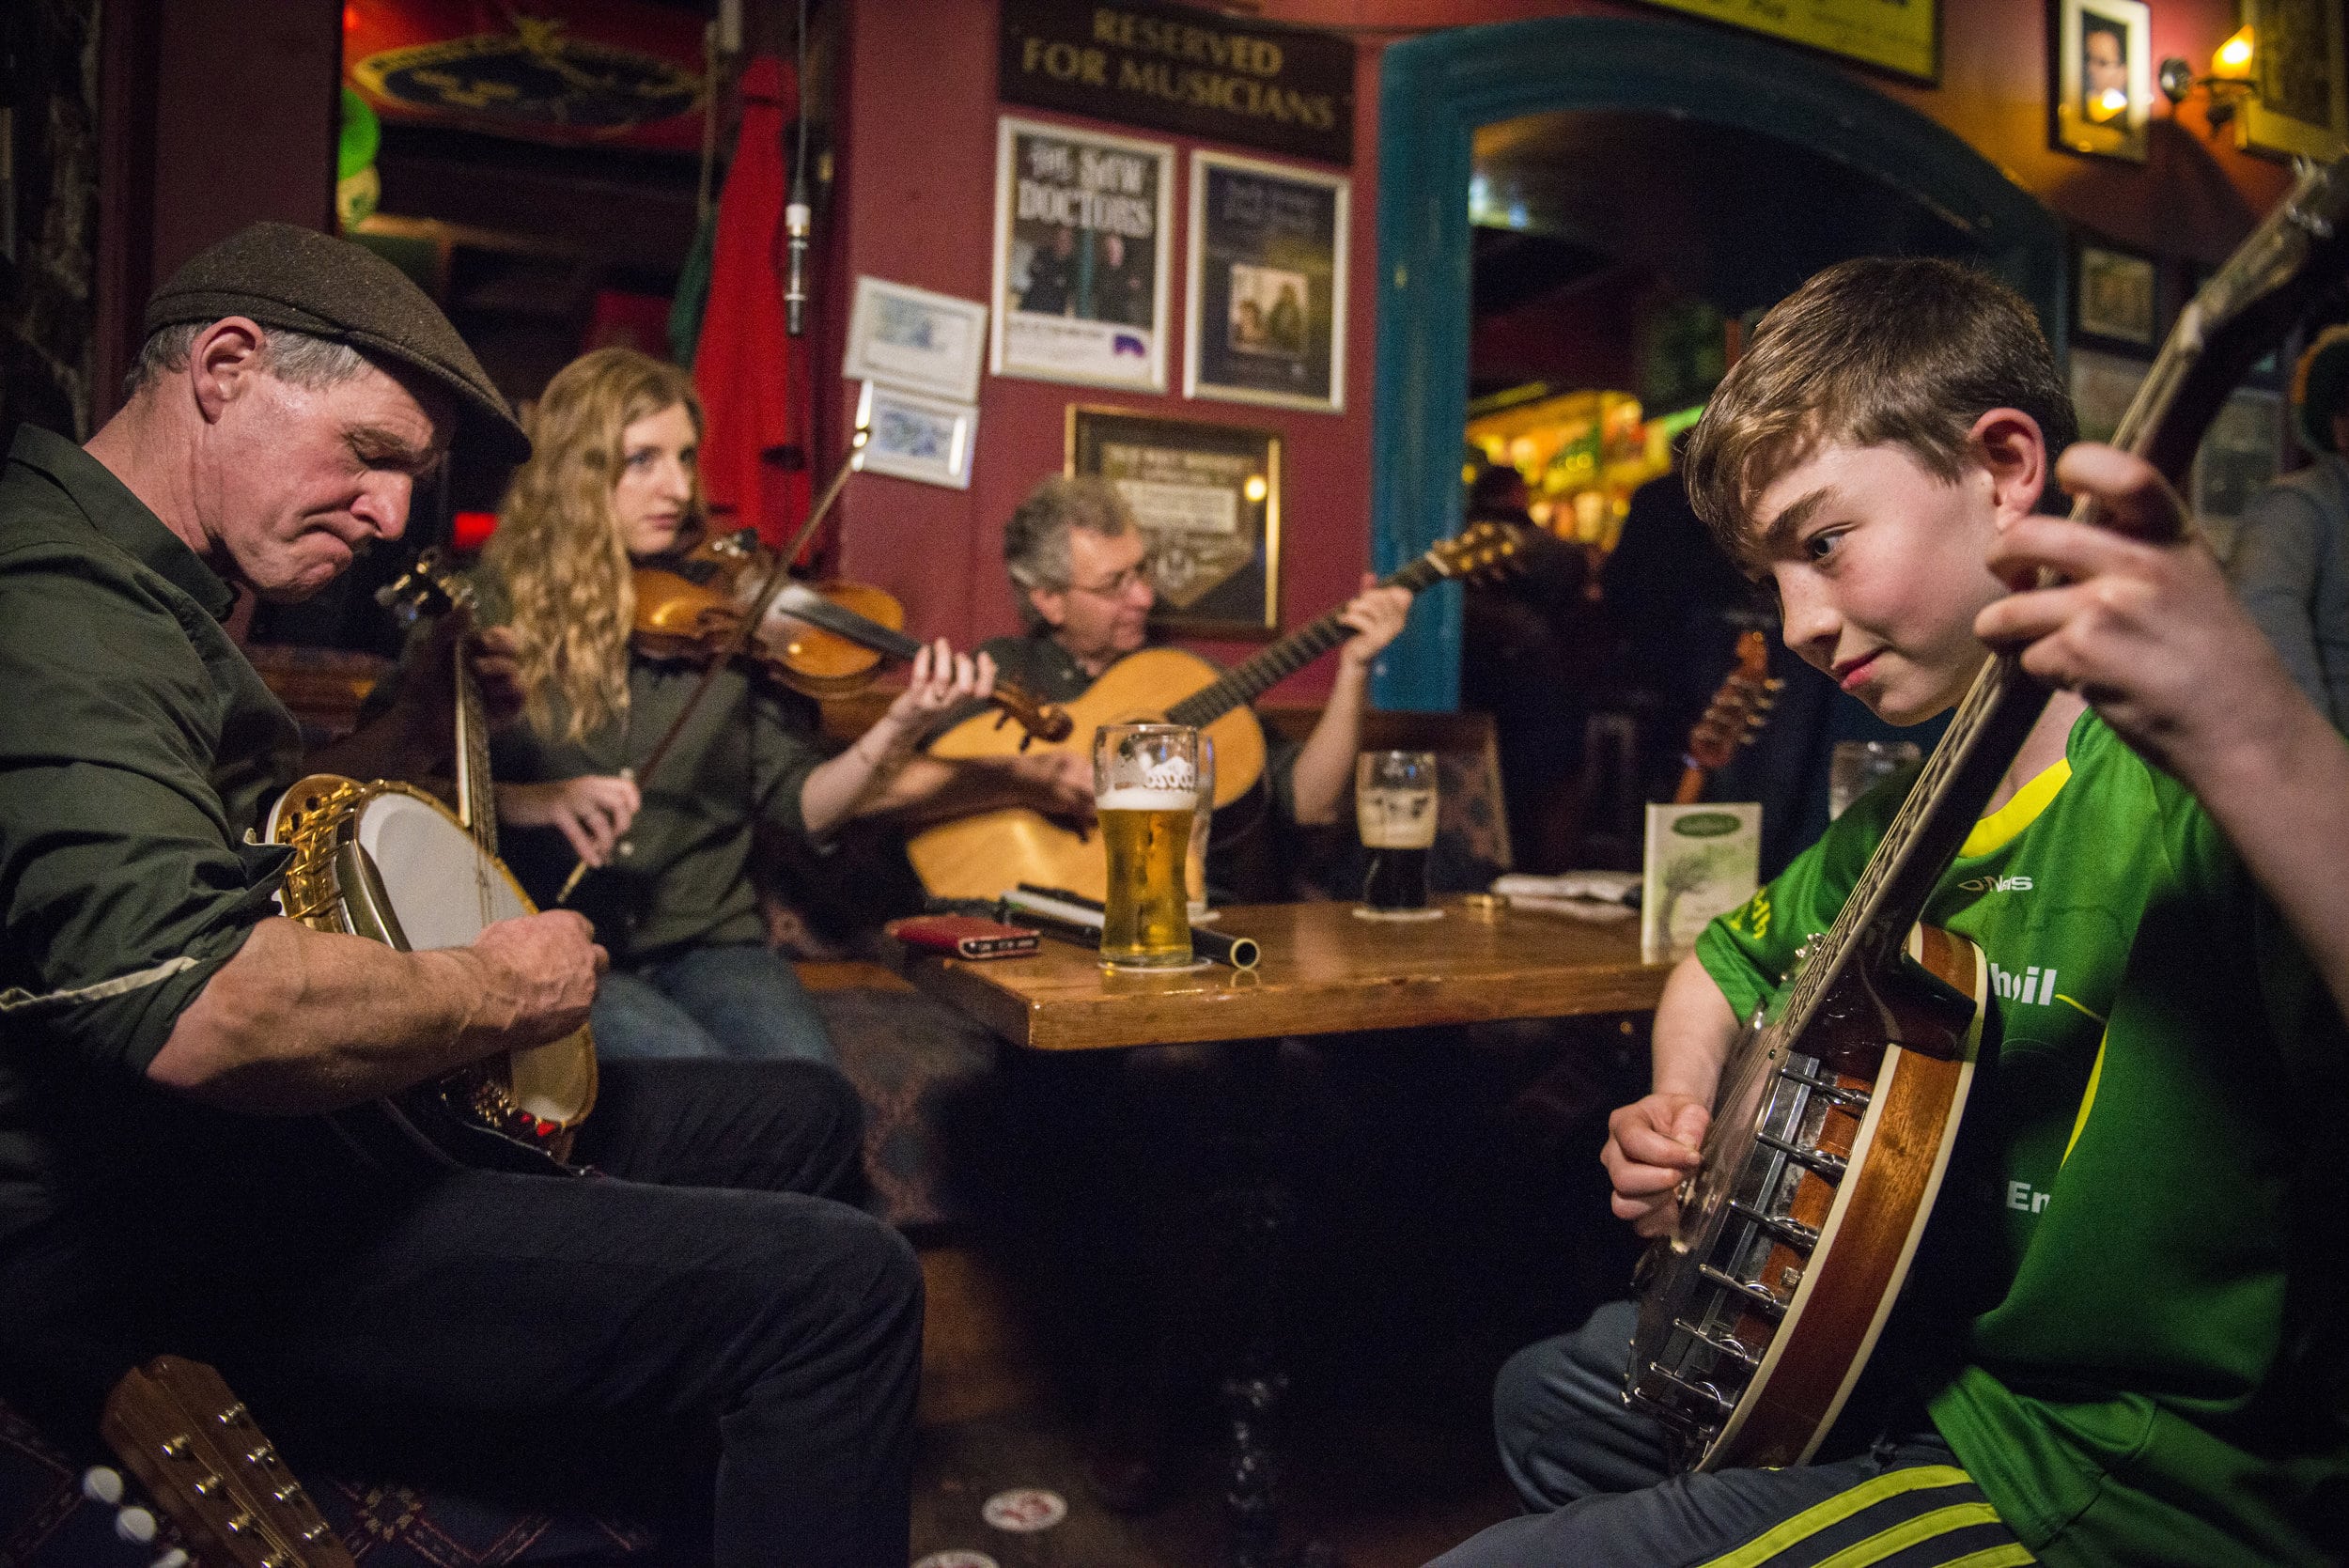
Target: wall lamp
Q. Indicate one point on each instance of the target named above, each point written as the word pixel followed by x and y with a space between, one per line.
pixel 2228 82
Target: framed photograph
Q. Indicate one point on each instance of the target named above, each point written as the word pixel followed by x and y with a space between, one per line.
pixel 1265 294
pixel 2116 296
pixel 913 339
pixel 2104 76
pixel 2237 460
pixel 2299 104
pixel 1082 252
pixel 912 437
pixel 1210 498
pixel 2103 386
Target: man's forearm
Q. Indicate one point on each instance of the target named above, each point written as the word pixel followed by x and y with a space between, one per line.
pixel 304 1020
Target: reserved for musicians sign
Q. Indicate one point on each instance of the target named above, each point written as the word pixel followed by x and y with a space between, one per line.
pixel 1198 73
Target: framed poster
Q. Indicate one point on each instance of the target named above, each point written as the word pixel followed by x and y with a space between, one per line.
pixel 1266 293
pixel 2104 76
pixel 1210 498
pixel 2116 296
pixel 1905 38
pixel 917 437
pixel 912 338
pixel 1082 251
pixel 2297 107
pixel 2237 460
pixel 2103 386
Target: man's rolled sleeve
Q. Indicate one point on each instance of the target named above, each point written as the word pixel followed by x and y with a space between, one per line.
pixel 121 887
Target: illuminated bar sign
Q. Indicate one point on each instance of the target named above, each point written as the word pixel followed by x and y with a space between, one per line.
pixel 1198 73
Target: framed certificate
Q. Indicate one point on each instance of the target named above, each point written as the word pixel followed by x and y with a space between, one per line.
pixel 915 339
pixel 1208 496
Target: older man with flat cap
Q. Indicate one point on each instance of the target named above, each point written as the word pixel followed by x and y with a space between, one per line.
pixel 704 1319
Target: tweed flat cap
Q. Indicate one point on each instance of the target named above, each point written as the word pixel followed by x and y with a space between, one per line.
pixel 2320 387
pixel 302 281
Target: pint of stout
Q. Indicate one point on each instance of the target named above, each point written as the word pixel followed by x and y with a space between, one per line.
pixel 1144 779
pixel 1394 807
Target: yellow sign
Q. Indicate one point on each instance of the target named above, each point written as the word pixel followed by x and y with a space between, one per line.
pixel 1899 35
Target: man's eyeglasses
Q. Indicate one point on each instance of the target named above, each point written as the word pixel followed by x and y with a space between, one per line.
pixel 1123 583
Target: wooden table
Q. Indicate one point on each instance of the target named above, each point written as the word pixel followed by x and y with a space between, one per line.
pixel 1324 973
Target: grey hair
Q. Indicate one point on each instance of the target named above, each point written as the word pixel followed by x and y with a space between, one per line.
pixel 290 356
pixel 1036 541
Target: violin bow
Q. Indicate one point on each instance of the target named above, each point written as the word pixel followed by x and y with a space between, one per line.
pixel 735 644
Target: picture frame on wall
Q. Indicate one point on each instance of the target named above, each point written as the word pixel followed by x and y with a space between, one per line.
pixel 915 341
pixel 1208 497
pixel 1265 284
pixel 2238 458
pixel 2103 386
pixel 2117 296
pixel 1082 247
pixel 2103 94
pixel 2299 102
pixel 927 440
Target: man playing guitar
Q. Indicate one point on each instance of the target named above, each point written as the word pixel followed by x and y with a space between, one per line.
pixel 2117 1344
pixel 1080 567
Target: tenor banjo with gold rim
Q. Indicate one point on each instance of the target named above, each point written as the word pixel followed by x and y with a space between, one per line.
pixel 388 861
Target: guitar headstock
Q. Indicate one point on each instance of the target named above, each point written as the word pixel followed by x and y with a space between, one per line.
pixel 196 1449
pixel 1740 709
pixel 1480 551
pixel 1046 722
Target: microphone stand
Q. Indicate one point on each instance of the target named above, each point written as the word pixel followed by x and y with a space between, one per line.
pixel 777 576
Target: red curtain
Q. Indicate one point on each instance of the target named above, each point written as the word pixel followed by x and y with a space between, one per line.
pixel 753 377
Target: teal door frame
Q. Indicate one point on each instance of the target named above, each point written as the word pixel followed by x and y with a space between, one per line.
pixel 1436 90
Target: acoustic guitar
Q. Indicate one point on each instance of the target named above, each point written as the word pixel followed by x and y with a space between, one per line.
pixel 981 855
pixel 1832 1128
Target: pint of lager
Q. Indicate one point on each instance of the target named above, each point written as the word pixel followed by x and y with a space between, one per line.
pixel 1394 806
pixel 1145 788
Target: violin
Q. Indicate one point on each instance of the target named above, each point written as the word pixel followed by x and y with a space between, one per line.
pixel 824 639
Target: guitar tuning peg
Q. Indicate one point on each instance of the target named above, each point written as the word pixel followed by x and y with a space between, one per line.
pixel 101 1485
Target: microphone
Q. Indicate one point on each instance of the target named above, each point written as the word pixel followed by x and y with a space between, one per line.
pixel 795 223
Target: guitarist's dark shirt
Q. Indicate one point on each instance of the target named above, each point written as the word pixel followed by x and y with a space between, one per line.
pixel 1239 866
pixel 137 750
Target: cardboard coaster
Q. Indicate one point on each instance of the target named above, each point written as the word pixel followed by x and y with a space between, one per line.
pixel 1024 1510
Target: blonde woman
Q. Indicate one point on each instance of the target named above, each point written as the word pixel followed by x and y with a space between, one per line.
pixel 611 482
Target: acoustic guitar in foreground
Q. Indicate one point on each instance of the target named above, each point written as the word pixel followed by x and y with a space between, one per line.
pixel 980 855
pixel 1838 1107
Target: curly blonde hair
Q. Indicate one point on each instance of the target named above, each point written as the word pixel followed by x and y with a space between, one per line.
pixel 558 549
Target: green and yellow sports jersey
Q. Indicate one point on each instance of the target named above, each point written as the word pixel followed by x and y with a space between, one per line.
pixel 2136 1265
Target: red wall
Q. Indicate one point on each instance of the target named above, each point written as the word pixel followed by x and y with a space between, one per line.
pixel 917 178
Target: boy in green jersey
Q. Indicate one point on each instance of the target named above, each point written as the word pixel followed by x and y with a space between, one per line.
pixel 2122 1342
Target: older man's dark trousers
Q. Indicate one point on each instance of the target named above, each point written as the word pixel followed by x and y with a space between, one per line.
pixel 705 1317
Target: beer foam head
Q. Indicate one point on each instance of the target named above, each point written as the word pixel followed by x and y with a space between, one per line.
pixel 1135 798
pixel 1395 818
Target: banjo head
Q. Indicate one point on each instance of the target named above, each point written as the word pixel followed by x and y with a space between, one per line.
pixel 444 887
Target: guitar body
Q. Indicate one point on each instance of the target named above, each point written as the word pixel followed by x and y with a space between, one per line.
pixel 1822 1162
pixel 980 855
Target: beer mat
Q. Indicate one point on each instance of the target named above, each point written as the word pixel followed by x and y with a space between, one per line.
pixel 1078 918
pixel 1579 908
pixel 1600 886
pixel 1363 911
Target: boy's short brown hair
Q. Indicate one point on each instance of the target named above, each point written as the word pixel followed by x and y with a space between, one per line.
pixel 1880 349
